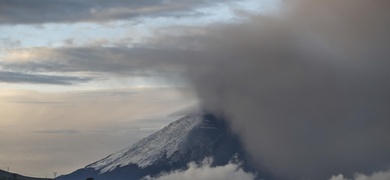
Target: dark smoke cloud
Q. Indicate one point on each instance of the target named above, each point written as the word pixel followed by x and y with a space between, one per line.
pixel 306 89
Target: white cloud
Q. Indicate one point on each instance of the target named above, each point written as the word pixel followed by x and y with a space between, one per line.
pixel 338 177
pixel 230 171
pixel 358 176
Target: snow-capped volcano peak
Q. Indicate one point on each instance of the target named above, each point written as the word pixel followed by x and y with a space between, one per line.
pixel 152 148
pixel 190 139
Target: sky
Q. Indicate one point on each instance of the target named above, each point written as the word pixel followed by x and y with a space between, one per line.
pixel 304 83
pixel 78 80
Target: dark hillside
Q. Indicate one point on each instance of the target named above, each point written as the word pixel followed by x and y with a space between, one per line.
pixel 4 175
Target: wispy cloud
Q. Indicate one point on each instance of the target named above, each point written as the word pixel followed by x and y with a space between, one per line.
pixel 17 77
pixel 60 131
pixel 37 102
pixel 119 60
pixel 68 11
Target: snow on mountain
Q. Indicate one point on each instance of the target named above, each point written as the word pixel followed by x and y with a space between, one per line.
pixel 152 148
pixel 190 139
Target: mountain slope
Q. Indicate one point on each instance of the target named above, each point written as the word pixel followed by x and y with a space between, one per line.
pixel 149 150
pixel 14 176
pixel 189 139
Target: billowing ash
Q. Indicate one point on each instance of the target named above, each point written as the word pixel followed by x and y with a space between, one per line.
pixel 307 88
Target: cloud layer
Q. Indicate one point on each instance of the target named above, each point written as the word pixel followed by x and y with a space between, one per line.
pixel 15 77
pixel 70 11
pixel 230 171
pixel 382 175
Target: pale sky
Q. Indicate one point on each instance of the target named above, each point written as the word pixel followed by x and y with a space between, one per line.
pixel 77 81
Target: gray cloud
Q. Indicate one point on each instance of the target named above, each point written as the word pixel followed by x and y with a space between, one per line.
pixel 8 43
pixel 38 102
pixel 111 93
pixel 16 77
pixel 166 64
pixel 307 89
pixel 136 61
pixel 45 11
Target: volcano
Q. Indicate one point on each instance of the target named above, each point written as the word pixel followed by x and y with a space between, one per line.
pixel 190 139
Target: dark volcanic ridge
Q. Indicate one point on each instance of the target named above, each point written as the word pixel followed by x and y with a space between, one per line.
pixel 15 176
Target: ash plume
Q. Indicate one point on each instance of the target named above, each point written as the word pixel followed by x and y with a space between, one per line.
pixel 307 88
